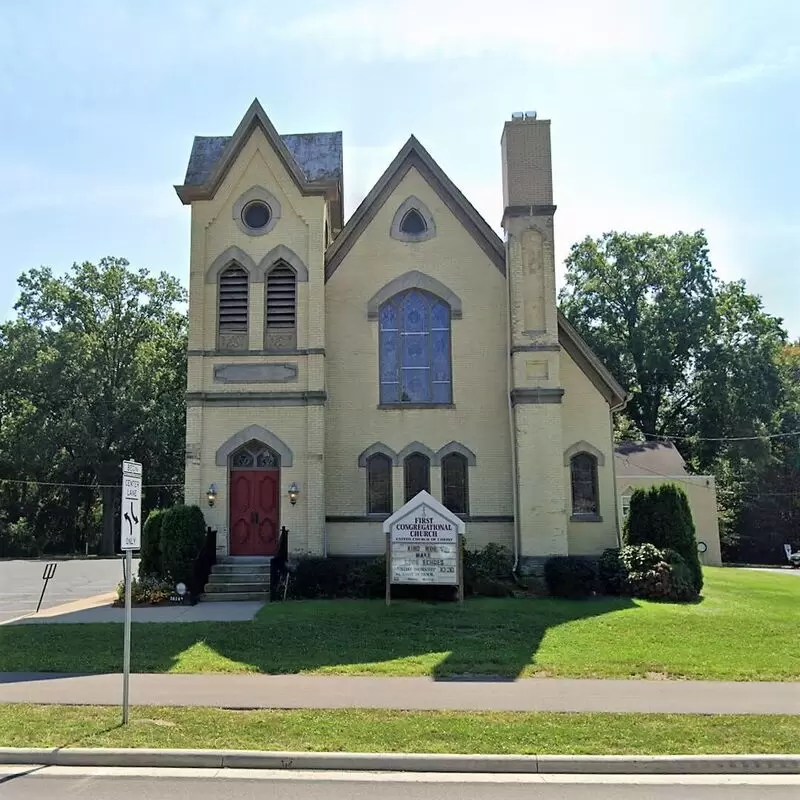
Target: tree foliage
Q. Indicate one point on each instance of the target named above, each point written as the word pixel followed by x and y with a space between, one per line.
pixel 93 371
pixel 705 364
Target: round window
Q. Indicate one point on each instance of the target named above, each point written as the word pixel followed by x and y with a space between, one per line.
pixel 256 215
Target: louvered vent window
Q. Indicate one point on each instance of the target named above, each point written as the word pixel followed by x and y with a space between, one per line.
pixel 281 308
pixel 233 292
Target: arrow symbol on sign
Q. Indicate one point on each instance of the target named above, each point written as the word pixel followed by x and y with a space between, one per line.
pixel 128 520
pixel 135 518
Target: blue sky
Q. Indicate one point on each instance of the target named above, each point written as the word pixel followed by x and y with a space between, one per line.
pixel 665 115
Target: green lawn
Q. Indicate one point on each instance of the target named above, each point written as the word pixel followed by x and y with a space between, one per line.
pixel 396 731
pixel 747 627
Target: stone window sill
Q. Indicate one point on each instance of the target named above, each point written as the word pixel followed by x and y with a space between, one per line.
pixel 396 406
pixel 586 518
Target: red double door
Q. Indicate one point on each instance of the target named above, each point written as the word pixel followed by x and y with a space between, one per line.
pixel 254 512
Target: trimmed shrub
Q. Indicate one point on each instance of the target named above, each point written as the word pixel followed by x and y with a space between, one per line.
pixel 490 587
pixel 315 577
pixel 610 572
pixel 569 576
pixel 648 573
pixel 150 554
pixel 486 570
pixel 367 578
pixel 661 516
pixel 683 579
pixel 183 534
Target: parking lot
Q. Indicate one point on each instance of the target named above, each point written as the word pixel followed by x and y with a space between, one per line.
pixel 74 579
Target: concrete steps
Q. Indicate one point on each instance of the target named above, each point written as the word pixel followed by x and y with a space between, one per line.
pixel 227 597
pixel 239 578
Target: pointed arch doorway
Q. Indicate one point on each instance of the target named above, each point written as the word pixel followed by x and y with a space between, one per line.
pixel 254 476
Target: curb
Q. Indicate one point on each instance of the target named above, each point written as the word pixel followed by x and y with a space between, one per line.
pixel 404 762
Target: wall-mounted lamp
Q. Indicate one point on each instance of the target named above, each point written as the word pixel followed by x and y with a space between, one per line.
pixel 294 491
pixel 211 494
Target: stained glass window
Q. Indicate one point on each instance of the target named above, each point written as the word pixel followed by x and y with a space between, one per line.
pixel 417 474
pixel 583 472
pixel 379 484
pixel 255 455
pixel 455 483
pixel 415 349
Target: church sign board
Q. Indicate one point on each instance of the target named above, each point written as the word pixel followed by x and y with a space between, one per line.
pixel 423 545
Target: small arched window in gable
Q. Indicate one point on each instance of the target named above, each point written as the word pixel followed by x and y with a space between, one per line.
pixel 583 474
pixel 234 289
pixel 281 311
pixel 412 223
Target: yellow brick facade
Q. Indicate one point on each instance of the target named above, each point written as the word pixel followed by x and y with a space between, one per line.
pixel 587 419
pixel 520 401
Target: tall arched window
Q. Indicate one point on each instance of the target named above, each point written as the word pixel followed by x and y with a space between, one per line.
pixel 379 484
pixel 455 483
pixel 415 349
pixel 233 298
pixel 416 474
pixel 583 474
pixel 281 308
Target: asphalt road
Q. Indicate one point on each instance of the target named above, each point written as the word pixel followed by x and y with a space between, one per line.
pixel 101 784
pixel 75 579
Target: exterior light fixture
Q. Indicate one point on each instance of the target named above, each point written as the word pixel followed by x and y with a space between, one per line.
pixel 212 494
pixel 294 491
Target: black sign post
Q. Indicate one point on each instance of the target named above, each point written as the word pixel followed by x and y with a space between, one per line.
pixel 49 571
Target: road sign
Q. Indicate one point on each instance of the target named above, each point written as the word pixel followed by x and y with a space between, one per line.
pixel 131 539
pixel 131 512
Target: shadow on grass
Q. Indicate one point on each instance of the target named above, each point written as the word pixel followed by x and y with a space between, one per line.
pixel 485 639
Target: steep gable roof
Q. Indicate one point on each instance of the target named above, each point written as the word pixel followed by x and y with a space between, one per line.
pixel 649 458
pixel 314 160
pixel 413 154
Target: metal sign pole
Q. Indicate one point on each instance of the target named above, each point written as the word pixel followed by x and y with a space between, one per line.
pixel 49 572
pixel 131 539
pixel 388 569
pixel 126 657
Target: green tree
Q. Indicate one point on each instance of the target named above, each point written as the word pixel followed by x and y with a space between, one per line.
pixel 644 304
pixel 96 369
pixel 705 363
pixel 699 356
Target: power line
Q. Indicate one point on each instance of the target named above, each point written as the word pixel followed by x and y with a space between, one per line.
pixel 87 485
pixel 669 436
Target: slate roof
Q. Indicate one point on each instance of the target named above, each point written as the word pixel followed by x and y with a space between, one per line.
pixel 319 156
pixel 648 458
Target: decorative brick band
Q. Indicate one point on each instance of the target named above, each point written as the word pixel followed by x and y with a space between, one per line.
pixel 256 399
pixel 521 397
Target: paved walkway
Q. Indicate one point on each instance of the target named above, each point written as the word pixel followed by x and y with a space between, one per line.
pixel 320 691
pixel 99 609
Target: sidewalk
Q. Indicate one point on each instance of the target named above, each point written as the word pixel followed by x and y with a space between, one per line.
pixel 320 691
pixel 100 609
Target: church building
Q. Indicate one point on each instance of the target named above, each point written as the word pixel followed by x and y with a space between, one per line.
pixel 335 370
